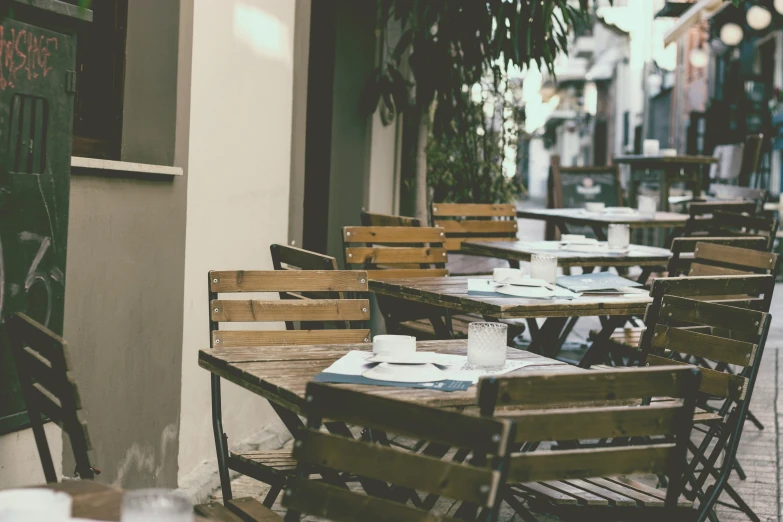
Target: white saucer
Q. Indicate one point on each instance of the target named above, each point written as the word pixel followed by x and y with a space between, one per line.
pixel 405 373
pixel 620 210
pixel 404 358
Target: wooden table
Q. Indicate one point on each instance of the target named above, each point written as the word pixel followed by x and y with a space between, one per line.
pixel 94 500
pixel 598 221
pixel 665 171
pixel 452 293
pixel 637 255
pixel 280 374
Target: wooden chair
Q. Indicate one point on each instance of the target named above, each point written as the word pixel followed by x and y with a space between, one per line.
pixel 310 296
pixel 50 391
pixel 723 224
pixel 395 474
pixel 591 483
pixel 739 194
pixel 706 320
pixel 373 219
pixel 684 247
pixel 751 158
pixel 475 221
pixel 408 251
pixel 606 177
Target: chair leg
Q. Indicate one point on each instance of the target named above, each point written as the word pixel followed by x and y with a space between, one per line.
pixel 739 470
pixel 271 496
pixel 741 504
pixel 752 418
pixel 221 441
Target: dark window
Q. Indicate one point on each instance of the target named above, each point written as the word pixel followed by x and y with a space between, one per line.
pixel 100 67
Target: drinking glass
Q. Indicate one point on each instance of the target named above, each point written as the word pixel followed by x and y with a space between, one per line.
pixel 160 505
pixel 647 206
pixel 543 266
pixel 619 236
pixel 487 346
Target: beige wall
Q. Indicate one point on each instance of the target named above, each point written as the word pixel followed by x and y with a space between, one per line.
pixel 19 462
pixel 238 187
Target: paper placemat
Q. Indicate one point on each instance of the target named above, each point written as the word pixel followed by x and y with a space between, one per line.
pixel 350 367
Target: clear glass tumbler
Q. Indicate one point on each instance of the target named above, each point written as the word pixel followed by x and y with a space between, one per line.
pixel 544 266
pixel 647 206
pixel 619 236
pixel 487 346
pixel 160 505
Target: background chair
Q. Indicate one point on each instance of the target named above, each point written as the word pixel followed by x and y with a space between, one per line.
pixel 49 390
pixel 590 483
pixel 475 221
pixel 724 224
pixel 394 475
pixel 276 466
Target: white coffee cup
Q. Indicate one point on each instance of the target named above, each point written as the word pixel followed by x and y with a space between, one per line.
pixel 393 344
pixel 669 152
pixel 651 148
pixel 501 274
pixel 595 206
pixel 34 505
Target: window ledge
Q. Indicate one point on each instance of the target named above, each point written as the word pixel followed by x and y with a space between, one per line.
pixel 120 167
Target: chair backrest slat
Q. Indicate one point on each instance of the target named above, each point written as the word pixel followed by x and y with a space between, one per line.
pixel 538 390
pixel 704 208
pixel 575 464
pixel 731 257
pixel 744 324
pixel 49 388
pixel 288 281
pixel 719 349
pixel 724 223
pixel 235 338
pixel 475 221
pixel 286 257
pixel 247 311
pixel 713 383
pixel 373 219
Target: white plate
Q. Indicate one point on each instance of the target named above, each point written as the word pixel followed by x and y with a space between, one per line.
pixel 525 281
pixel 406 373
pixel 404 358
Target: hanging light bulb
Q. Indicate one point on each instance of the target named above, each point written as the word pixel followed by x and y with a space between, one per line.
pixel 779 6
pixel 758 18
pixel 699 57
pixel 731 34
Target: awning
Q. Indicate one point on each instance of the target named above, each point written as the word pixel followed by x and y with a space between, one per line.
pixel 700 11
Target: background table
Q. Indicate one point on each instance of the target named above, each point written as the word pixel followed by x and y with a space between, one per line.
pixel 637 255
pixel 452 293
pixel 665 171
pixel 598 221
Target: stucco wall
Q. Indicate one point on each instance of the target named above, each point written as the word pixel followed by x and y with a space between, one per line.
pixel 238 187
pixel 123 302
pixel 19 462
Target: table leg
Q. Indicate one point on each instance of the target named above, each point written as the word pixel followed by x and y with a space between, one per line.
pixel 600 347
pixel 548 335
pixel 598 230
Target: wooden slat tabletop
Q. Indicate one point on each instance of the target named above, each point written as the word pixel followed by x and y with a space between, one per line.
pixel 579 216
pixel 452 293
pixel 94 500
pixel 281 373
pixel 637 255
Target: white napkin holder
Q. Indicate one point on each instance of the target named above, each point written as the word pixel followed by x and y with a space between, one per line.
pixel 393 344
